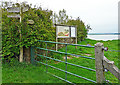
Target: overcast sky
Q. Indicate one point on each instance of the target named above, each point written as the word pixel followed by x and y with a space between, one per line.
pixel 101 15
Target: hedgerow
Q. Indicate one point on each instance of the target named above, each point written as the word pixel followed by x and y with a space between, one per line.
pixel 42 29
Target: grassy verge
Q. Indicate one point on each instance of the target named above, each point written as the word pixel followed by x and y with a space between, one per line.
pixel 24 73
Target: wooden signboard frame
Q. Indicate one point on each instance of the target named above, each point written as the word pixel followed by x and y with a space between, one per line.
pixel 59 26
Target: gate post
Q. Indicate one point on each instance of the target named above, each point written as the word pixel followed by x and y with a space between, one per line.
pixel 99 53
pixel 27 54
pixel 32 54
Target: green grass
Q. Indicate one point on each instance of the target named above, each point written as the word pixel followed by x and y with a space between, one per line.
pixel 24 73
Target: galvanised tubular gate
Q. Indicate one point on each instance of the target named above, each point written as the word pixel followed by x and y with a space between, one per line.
pixel 66 72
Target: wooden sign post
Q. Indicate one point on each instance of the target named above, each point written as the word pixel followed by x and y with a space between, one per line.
pixel 21 48
pixel 18 10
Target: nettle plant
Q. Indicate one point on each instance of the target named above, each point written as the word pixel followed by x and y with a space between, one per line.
pixel 41 29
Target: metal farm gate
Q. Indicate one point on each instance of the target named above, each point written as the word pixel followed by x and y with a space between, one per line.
pixel 99 60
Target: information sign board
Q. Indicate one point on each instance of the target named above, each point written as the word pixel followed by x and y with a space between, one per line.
pixel 63 31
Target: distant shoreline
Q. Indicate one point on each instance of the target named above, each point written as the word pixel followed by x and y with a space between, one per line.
pixel 103 37
pixel 103 33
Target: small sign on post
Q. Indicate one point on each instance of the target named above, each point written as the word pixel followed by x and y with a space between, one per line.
pixel 14 16
pixel 30 22
pixel 13 9
pixel 17 9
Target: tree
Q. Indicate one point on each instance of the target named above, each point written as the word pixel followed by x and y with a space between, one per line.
pixel 88 27
pixel 55 18
pixel 62 18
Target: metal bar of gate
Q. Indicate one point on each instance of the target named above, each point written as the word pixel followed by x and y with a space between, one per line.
pixel 46 58
pixel 65 53
pixel 66 43
pixel 67 72
pixel 67 62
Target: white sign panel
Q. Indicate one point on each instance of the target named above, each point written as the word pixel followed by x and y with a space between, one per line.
pixel 14 16
pixel 73 32
pixel 13 9
pixel 63 31
pixel 17 9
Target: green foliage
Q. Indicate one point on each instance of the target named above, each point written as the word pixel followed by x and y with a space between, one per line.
pixel 42 29
pixel 61 18
pixel 81 28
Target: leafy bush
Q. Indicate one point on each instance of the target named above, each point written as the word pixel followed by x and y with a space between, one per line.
pixel 42 29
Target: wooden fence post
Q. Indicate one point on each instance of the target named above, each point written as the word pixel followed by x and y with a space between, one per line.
pixel 27 54
pixel 32 54
pixel 99 53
